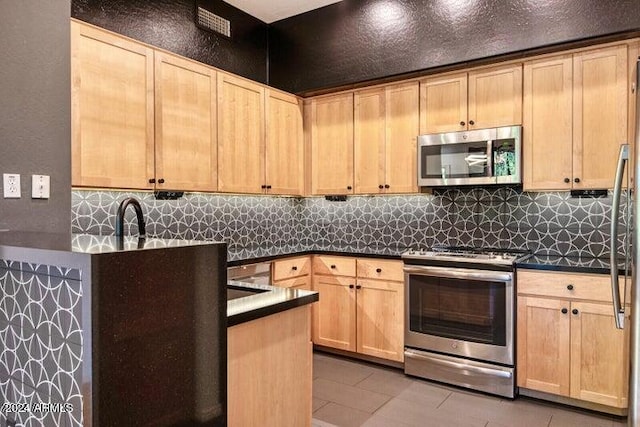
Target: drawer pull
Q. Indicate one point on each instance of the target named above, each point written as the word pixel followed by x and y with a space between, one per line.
pixel 574 311
pixel 294 268
pixel 351 286
pixel 378 270
pixel 333 266
pixel 565 311
pixel 359 287
pixel 570 287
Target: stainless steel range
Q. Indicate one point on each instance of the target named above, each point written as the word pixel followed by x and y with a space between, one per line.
pixel 460 317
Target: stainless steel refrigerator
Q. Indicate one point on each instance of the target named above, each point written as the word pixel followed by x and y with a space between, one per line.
pixel 631 256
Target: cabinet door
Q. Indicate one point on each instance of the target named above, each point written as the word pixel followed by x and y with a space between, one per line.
pixel 402 128
pixel 369 141
pixel 599 115
pixel 547 124
pixel 543 345
pixel 380 319
pixel 495 97
pixel 599 355
pixel 443 104
pixel 284 144
pixel 111 110
pixel 186 148
pixel 332 145
pixel 335 313
pixel 240 135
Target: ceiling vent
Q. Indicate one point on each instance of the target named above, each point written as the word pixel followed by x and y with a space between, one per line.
pixel 213 22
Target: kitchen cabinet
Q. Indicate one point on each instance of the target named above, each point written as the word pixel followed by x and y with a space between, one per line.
pixel 292 273
pixel 385 129
pixel 477 99
pixel 185 120
pixel 576 108
pixel 241 135
pixel 332 144
pixel 580 354
pixel 112 141
pixel 363 310
pixel 284 162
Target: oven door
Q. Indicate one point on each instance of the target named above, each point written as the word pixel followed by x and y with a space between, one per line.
pixel 461 312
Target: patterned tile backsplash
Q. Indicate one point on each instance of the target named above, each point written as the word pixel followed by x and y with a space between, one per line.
pixel 546 223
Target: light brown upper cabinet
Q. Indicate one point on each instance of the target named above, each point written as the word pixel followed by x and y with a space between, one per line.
pixel 284 144
pixel 385 129
pixel 186 149
pixel 575 118
pixel 112 110
pixel 241 136
pixel 484 98
pixel 332 144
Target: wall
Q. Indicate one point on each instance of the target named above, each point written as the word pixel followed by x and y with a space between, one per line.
pixel 546 223
pixel 359 40
pixel 170 25
pixel 35 135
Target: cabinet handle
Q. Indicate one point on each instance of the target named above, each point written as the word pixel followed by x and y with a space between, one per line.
pixel 576 180
pixel 570 287
pixel 294 268
pixel 387 186
pixel 381 186
pixel 268 187
pixel 462 123
pixel 152 180
pixel 349 187
pixel 359 287
pixel 161 181
pixel 264 187
pixel 574 311
pixel 351 286
pixel 567 180
pixel 471 122
pixel 565 311
pixel 333 266
pixel 378 270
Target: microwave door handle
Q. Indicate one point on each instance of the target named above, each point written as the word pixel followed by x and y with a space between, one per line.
pixel 490 171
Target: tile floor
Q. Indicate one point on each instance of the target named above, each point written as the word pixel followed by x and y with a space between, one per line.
pixel 350 393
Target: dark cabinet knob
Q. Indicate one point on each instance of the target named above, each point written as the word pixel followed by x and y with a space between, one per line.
pixel 471 122
pixel 333 266
pixel 567 180
pixel 268 187
pixel 161 181
pixel 387 186
pixel 359 287
pixel 462 123
pixel 351 286
pixel 381 186
pixel 565 311
pixel 152 180
pixel 576 180
pixel 378 270
pixel 570 287
pixel 294 268
pixel 574 311
pixel 349 187
pixel 264 187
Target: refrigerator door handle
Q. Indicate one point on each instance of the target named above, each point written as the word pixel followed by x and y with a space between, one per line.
pixel 618 311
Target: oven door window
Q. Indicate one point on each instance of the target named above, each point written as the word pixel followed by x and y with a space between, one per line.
pixel 466 310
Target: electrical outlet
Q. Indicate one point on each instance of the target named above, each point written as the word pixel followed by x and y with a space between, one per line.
pixel 11 183
pixel 40 186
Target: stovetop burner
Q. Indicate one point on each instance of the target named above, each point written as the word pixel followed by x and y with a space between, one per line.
pixel 501 256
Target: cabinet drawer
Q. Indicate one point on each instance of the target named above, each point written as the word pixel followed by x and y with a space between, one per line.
pixel 380 269
pixel 595 287
pixel 291 267
pixel 303 282
pixel 335 265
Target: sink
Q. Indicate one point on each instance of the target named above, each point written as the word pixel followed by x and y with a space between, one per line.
pixel 236 292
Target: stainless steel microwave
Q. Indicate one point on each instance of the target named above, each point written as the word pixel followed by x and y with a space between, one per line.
pixel 475 157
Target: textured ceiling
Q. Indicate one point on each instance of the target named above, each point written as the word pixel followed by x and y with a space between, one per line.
pixel 274 10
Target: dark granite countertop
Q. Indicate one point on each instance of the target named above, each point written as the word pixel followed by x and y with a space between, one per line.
pixel 271 301
pixel 569 264
pixel 238 255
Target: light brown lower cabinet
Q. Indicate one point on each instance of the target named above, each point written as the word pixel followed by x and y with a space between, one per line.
pixel 363 312
pixel 568 346
pixel 269 370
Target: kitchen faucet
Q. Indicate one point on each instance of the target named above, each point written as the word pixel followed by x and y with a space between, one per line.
pixel 120 216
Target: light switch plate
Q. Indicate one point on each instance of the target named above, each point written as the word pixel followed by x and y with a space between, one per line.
pixel 40 186
pixel 11 185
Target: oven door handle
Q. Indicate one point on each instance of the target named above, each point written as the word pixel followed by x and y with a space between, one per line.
pixel 460 273
pixel 487 371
